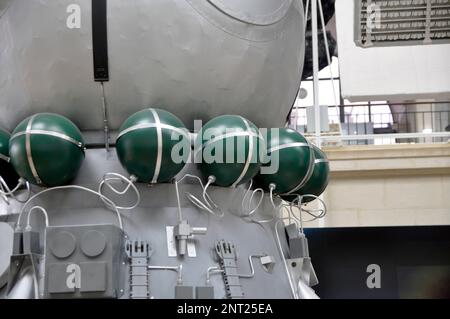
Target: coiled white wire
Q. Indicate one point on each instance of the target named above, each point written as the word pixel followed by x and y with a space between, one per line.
pixel 298 202
pixel 114 177
pixel 111 204
pixel 207 204
pixel 246 206
pixel 5 191
pixel 107 179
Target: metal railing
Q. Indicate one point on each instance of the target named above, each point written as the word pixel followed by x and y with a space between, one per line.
pixel 371 126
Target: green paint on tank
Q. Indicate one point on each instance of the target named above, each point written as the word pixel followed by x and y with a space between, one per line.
pixel 320 177
pixel 57 160
pixel 138 148
pixel 7 172
pixel 290 162
pixel 232 160
pixel 4 143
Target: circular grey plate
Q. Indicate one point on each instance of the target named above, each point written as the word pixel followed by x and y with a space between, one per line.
pixel 62 244
pixel 6 243
pixel 93 243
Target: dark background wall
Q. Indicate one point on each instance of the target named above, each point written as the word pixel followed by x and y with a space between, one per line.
pixel 414 261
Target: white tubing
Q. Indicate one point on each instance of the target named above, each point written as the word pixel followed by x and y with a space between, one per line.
pixel 39 209
pixel 111 205
pixel 109 177
pixel 5 190
pixel 207 205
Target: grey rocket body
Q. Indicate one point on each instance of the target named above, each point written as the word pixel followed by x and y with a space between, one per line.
pixel 197 59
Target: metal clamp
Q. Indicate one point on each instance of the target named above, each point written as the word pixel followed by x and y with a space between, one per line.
pixel 182 232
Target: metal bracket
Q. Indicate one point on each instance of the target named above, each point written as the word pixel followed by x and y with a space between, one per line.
pixel 26 277
pixel 139 254
pixel 26 272
pixel 226 251
pixel 302 269
pixel 183 233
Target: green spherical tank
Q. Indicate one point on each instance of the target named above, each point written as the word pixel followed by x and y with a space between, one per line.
pixel 47 149
pixel 229 148
pixel 7 172
pixel 291 161
pixel 153 145
pixel 318 181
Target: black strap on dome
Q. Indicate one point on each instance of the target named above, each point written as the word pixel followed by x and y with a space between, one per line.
pixel 100 40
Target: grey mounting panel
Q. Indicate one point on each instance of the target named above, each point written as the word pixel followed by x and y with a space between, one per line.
pixel 297 241
pixel 139 254
pixel 84 262
pixel 184 292
pixel 299 262
pixel 204 292
pixel 26 267
pixel 226 251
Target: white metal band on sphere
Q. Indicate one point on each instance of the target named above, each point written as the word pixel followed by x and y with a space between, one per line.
pixel 287 145
pixel 28 151
pixel 308 173
pixel 50 133
pixel 160 146
pixel 321 160
pixel 137 127
pixel 249 156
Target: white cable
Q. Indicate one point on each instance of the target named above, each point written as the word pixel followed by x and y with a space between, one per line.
pixel 271 195
pixel 206 197
pixel 2 194
pixel 208 205
pixel 298 202
pixel 291 211
pixel 178 269
pixel 5 190
pixel 247 208
pixel 33 209
pixel 252 268
pixel 311 212
pixel 280 250
pixel 108 177
pixel 6 187
pixel 210 271
pixel 111 205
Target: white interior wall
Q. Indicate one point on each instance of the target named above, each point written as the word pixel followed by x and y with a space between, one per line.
pixel 389 73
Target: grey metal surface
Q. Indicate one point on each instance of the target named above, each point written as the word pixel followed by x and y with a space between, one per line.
pixel 84 262
pixel 191 57
pixel 258 12
pixel 6 245
pixel 184 292
pixel 157 210
pixel 204 292
pixel 25 280
pixel 25 284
